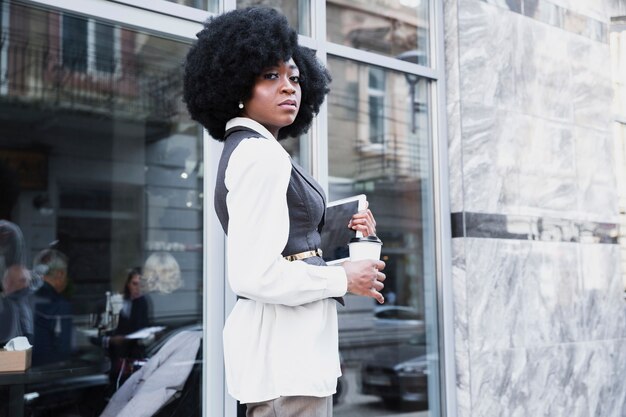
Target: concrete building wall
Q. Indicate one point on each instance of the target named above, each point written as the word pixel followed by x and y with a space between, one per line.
pixel 540 318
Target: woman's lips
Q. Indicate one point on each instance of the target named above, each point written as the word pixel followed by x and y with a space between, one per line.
pixel 289 103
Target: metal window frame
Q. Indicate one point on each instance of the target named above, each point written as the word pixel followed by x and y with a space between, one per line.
pixel 439 158
pixel 4 52
pixel 133 17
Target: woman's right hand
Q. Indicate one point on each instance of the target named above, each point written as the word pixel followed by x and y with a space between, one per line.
pixel 365 278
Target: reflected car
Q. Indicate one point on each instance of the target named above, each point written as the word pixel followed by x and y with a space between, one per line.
pixel 397 317
pixel 398 374
pixel 398 324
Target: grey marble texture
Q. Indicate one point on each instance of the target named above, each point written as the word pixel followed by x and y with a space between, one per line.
pixel 591 86
pixel 543 72
pixel 495 294
pixel 607 385
pixel 490 145
pixel 540 325
pixel 558 380
pixel 603 292
pixel 522 294
pixel 514 163
pixel 563 380
pixel 451 50
pixel 499 385
pixel 525 105
pixel 595 167
pixel 553 294
pixel 489 49
pixel 453 94
pixel 461 351
pixel 547 176
pixel 545 328
pixel 455 157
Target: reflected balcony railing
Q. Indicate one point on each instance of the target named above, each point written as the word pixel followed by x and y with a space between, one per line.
pixel 391 157
pixel 38 75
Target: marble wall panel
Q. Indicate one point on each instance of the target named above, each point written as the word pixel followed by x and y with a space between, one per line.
pixel 548 149
pixel 514 163
pixel 547 181
pixel 548 195
pixel 552 293
pixel 533 291
pixel 605 378
pixel 604 305
pixel 491 142
pixel 499 385
pixel 543 72
pixel 451 49
pixel 453 106
pixel 461 337
pixel 592 90
pixel 558 379
pixel 496 312
pixel 488 52
pixel 544 11
pixel 595 167
pixel 455 157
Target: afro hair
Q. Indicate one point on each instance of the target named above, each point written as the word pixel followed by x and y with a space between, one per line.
pixel 232 50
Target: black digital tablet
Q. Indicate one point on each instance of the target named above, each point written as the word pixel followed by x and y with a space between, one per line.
pixel 335 233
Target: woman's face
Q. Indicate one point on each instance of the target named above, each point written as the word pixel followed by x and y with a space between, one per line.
pixel 275 97
pixel 134 287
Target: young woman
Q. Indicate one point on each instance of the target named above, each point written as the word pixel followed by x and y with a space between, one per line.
pixel 135 313
pixel 250 84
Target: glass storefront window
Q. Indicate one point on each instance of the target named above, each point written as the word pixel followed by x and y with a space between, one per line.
pixel 379 144
pixel 297 12
pixel 101 171
pixel 395 28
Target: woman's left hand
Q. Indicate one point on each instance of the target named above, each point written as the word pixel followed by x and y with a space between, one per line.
pixel 363 221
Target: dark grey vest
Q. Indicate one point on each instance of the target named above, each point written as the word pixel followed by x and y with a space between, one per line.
pixel 305 198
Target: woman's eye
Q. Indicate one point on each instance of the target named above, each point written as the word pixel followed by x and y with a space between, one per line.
pixel 270 76
pixel 295 79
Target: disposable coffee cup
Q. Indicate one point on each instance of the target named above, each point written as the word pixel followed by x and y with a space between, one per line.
pixel 365 248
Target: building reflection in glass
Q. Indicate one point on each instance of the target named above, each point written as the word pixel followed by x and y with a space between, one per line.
pixel 108 170
pixel 387 27
pixel 379 144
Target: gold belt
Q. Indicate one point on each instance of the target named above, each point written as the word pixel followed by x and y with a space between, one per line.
pixel 304 255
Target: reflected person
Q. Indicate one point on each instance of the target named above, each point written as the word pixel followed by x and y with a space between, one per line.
pixel 15 310
pixel 134 314
pixel 16 316
pixel 52 311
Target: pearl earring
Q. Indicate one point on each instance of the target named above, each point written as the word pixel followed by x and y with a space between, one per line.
pixel 241 105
